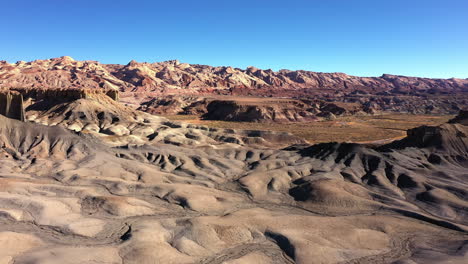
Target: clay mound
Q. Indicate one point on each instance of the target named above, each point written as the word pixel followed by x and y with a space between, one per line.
pixel 30 141
pixel 409 170
pixel 452 138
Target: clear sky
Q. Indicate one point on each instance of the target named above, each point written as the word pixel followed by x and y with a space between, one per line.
pixel 425 38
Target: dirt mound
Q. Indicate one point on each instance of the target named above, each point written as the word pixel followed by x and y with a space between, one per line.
pixel 22 140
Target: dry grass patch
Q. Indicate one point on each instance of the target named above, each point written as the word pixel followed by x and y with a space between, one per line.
pixel 343 129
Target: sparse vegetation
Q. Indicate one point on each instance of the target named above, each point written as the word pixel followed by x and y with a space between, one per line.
pixel 342 129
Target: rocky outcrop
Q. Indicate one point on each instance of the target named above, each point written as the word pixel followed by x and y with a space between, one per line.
pixel 173 105
pixel 259 111
pixel 414 104
pixel 11 105
pixel 250 109
pixel 63 94
pixel 451 137
pixel 58 73
pixel 114 94
pixel 461 118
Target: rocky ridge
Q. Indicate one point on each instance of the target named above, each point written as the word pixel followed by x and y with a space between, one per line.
pixel 182 78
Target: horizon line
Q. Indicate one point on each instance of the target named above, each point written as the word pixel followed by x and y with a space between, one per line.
pixel 239 68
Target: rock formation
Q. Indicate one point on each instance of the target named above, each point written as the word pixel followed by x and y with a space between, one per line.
pixel 63 94
pixel 461 118
pixel 173 104
pixel 250 109
pixel 142 82
pixel 279 111
pixel 89 180
pixel 11 104
pixel 182 78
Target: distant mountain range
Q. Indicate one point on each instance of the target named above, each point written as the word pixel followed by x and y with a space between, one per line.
pixel 173 77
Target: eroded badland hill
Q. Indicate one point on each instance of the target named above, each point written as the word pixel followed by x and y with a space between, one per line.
pixel 86 179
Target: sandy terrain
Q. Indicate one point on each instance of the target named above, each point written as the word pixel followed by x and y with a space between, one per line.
pixel 378 129
pixel 93 181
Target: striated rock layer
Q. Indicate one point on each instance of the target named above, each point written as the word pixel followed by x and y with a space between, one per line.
pixel 180 78
pixel 140 83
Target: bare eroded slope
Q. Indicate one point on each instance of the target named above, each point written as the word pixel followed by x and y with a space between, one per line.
pixel 91 181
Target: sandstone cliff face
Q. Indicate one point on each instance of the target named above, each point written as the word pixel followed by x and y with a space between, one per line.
pixel 182 78
pixel 11 105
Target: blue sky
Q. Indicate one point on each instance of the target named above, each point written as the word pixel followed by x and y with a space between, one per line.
pixel 365 38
